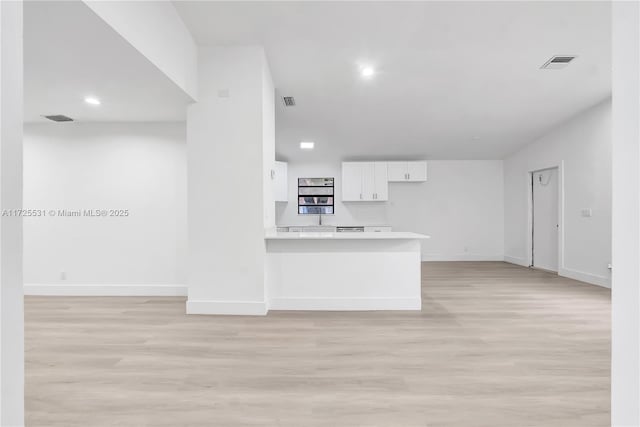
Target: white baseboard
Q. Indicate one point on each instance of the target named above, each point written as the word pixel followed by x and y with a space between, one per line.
pixel 461 257
pixel 55 289
pixel 246 308
pixel 345 304
pixel 567 272
pixel 516 260
pixel 593 279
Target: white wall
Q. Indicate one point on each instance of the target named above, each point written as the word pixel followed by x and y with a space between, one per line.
pixel 136 166
pixel 625 292
pixel 583 147
pixel 228 143
pixel 268 145
pixel 460 207
pixel 11 299
pixel 156 30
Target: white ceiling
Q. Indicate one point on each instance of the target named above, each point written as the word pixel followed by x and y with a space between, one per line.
pixel 456 80
pixel 70 53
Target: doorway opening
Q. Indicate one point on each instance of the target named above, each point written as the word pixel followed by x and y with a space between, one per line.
pixel 545 219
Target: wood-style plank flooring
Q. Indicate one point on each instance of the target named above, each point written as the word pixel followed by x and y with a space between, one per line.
pixel 495 345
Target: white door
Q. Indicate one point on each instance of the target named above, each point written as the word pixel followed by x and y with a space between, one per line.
pixel 397 171
pixel 417 171
pixel 545 219
pixel 381 181
pixel 351 181
pixel 368 180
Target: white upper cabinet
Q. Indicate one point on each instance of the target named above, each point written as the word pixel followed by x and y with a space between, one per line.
pixel 381 180
pixel 280 182
pixel 364 181
pixel 407 171
pixel 351 181
pixel 417 171
pixel 397 171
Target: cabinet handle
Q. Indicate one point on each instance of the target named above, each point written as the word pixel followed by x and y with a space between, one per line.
pixel 375 195
pixel 408 176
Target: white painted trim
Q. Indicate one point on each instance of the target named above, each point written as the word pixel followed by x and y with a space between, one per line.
pixel 516 260
pixel 593 279
pixel 246 308
pixel 345 304
pixel 55 289
pixel 461 257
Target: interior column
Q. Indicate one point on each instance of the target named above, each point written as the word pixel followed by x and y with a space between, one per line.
pixel 231 150
pixel 11 293
pixel 625 287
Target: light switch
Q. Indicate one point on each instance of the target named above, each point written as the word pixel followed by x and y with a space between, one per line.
pixel 586 213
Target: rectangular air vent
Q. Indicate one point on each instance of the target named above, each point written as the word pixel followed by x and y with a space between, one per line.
pixel 59 118
pixel 288 101
pixel 557 62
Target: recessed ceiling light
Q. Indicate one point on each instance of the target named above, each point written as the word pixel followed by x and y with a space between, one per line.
pixel 367 72
pixel 307 145
pixel 92 100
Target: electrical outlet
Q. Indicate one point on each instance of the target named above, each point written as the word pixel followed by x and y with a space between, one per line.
pixel 586 213
pixel 63 275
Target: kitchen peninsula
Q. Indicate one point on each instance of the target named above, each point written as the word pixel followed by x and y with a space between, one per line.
pixel 343 271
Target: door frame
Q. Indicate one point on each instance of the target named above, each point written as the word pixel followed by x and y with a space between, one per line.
pixel 560 167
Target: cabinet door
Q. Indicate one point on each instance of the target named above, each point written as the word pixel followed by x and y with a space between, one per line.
pixel 381 191
pixel 368 181
pixel 377 229
pixel 351 182
pixel 280 182
pixel 397 171
pixel 417 171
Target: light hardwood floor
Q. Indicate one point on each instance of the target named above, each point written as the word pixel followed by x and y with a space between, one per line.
pixel 495 345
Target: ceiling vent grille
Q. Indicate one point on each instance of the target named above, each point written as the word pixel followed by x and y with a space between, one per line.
pixel 288 101
pixel 557 62
pixel 59 118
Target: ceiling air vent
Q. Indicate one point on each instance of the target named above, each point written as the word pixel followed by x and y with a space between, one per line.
pixel 288 101
pixel 558 62
pixel 59 118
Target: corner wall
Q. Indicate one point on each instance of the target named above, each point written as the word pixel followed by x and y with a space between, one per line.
pixel 583 146
pixel 137 167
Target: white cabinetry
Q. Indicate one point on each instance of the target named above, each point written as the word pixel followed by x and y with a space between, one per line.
pixel 407 171
pixel 280 183
pixel 364 181
pixel 351 181
pixel 377 229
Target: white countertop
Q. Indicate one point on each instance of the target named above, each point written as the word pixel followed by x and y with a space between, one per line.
pixel 335 225
pixel 280 235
